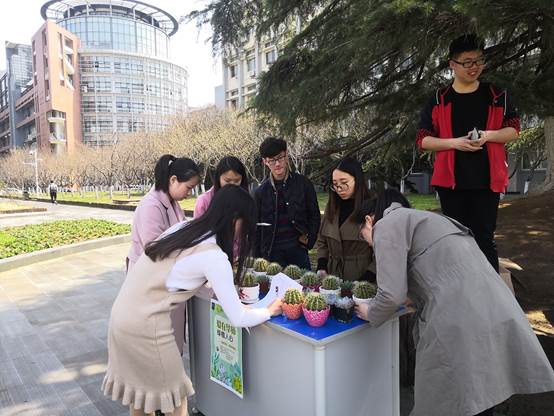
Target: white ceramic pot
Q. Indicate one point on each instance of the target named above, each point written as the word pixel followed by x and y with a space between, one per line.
pixel 259 273
pixel 249 294
pixel 359 301
pixel 335 292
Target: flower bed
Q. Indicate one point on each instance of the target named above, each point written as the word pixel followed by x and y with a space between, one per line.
pixel 29 238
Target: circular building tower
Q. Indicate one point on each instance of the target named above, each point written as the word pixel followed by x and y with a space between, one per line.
pixel 127 83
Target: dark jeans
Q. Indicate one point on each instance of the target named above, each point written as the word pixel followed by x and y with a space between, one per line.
pixel 53 196
pixel 476 209
pixel 292 253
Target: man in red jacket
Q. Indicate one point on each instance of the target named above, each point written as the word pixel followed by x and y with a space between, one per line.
pixel 470 170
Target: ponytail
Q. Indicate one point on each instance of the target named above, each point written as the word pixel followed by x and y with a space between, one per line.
pixel 168 165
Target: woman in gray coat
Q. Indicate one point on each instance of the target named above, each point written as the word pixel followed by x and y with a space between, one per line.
pixel 474 345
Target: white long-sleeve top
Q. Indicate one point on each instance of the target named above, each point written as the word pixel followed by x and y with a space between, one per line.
pixel 192 271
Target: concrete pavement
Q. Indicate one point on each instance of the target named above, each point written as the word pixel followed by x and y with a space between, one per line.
pixel 63 212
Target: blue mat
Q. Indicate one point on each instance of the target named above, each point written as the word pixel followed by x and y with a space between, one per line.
pixel 331 327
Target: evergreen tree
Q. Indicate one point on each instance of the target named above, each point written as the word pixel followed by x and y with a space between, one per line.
pixel 381 59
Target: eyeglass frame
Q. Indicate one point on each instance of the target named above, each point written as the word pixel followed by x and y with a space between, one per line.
pixel 341 186
pixel 472 62
pixel 273 160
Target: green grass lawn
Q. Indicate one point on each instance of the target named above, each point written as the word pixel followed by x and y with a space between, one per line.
pixel 425 202
pixel 29 238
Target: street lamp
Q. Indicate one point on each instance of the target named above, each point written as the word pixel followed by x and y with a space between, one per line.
pixel 34 152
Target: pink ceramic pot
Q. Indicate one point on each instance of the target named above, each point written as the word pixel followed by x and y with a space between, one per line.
pixel 316 318
pixel 292 311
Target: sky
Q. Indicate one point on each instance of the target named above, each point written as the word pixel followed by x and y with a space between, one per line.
pixel 190 47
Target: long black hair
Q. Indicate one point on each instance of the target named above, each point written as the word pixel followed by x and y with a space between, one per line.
pixel 225 165
pixel 376 206
pixel 361 191
pixel 230 204
pixel 168 165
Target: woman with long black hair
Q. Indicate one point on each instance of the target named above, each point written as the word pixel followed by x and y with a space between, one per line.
pixel 145 370
pixel 229 171
pixel 339 248
pixel 474 345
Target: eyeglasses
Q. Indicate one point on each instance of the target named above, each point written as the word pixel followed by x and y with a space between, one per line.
pixel 340 187
pixel 273 161
pixel 469 63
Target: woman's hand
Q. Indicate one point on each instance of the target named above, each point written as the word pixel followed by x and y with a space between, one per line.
pixel 322 273
pixel 362 311
pixel 275 308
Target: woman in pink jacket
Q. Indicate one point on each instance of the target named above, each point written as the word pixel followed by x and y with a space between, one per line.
pixel 229 171
pixel 175 177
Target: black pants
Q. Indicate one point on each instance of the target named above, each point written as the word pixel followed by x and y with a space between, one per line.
pixel 292 253
pixel 53 196
pixel 476 209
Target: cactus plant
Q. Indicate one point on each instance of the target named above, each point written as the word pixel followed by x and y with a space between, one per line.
pixel 346 287
pixel 249 280
pixel 273 269
pixel 330 283
pixel 293 271
pixel 315 302
pixel 315 309
pixel 309 279
pixel 293 297
pixel 249 288
pixel 292 303
pixel 249 262
pixel 364 290
pixel 260 265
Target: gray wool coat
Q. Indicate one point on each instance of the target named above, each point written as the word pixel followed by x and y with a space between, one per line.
pixel 474 345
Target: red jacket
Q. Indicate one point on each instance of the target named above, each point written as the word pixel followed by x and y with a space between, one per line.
pixel 443 172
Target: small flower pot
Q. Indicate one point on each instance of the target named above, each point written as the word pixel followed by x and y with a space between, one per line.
pixel 343 315
pixel 335 292
pixel 264 287
pixel 346 293
pixel 310 289
pixel 359 301
pixel 249 294
pixel 316 318
pixel 259 273
pixel 292 311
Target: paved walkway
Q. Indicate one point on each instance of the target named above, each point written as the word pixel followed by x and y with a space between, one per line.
pixel 53 325
pixel 62 212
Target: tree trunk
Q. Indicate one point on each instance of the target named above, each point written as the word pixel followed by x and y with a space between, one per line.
pixel 548 184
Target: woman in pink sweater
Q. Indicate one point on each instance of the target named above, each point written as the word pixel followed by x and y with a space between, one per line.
pixel 229 171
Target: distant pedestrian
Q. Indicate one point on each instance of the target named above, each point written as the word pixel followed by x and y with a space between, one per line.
pixel 53 189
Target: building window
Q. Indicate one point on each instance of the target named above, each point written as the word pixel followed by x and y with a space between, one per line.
pixel 270 57
pixel 233 71
pixel 251 65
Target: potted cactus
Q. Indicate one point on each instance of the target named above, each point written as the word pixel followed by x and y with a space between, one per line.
pixel 315 310
pixel 330 285
pixel 310 281
pixel 273 268
pixel 344 309
pixel 264 281
pixel 249 264
pixel 346 287
pixel 260 266
pixel 249 290
pixel 363 291
pixel 293 271
pixel 292 303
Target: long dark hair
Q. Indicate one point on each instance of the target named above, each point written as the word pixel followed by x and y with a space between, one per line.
pixel 230 204
pixel 225 165
pixel 361 191
pixel 376 206
pixel 168 165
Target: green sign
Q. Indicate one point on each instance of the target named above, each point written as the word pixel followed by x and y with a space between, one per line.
pixel 226 351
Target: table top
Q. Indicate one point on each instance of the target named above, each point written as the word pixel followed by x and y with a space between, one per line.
pixel 331 331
